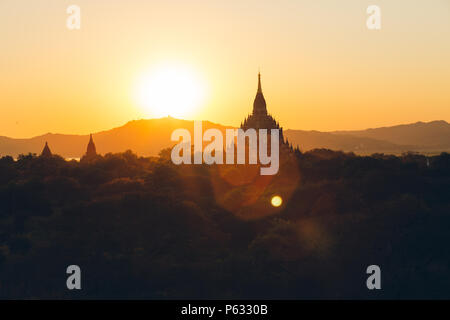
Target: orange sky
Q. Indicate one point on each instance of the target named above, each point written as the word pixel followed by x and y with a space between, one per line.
pixel 321 67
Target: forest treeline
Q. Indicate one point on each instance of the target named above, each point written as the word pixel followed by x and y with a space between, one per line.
pixel 145 228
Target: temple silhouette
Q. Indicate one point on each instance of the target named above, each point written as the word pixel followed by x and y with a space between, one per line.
pixel 46 153
pixel 261 119
pixel 258 119
pixel 91 151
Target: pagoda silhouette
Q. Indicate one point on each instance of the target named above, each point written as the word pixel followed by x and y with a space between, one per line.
pixel 91 151
pixel 261 119
pixel 46 153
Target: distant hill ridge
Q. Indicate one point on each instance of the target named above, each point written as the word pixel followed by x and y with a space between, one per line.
pixel 423 134
pixel 147 137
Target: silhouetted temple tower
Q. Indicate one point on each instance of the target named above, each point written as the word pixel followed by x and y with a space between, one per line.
pixel 260 119
pixel 46 153
pixel 91 151
pixel 259 105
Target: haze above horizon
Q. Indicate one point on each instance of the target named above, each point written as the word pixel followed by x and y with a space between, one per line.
pixel 322 69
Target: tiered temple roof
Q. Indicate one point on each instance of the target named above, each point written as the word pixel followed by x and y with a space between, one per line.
pixel 260 119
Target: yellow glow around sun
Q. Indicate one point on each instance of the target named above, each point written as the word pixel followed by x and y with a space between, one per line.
pixel 170 90
pixel 276 201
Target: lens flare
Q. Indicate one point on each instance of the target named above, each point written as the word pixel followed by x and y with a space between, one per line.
pixel 276 201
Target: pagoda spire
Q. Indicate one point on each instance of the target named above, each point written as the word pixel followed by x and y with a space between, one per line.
pixel 259 83
pixel 46 151
pixel 91 151
pixel 259 105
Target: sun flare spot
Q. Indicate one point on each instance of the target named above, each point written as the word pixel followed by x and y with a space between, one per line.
pixel 276 201
pixel 170 90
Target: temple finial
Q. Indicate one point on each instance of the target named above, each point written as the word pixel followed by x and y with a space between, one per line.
pixel 259 82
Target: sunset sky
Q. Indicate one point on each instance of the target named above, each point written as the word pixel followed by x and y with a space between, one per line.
pixel 321 67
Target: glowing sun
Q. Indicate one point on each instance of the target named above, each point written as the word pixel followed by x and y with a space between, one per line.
pixel 170 90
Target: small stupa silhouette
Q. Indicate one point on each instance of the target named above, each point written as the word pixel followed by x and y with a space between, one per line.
pixel 46 151
pixel 91 151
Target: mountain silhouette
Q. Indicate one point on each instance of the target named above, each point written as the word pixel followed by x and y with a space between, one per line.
pixel 434 134
pixel 427 137
pixel 144 137
pixel 148 137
